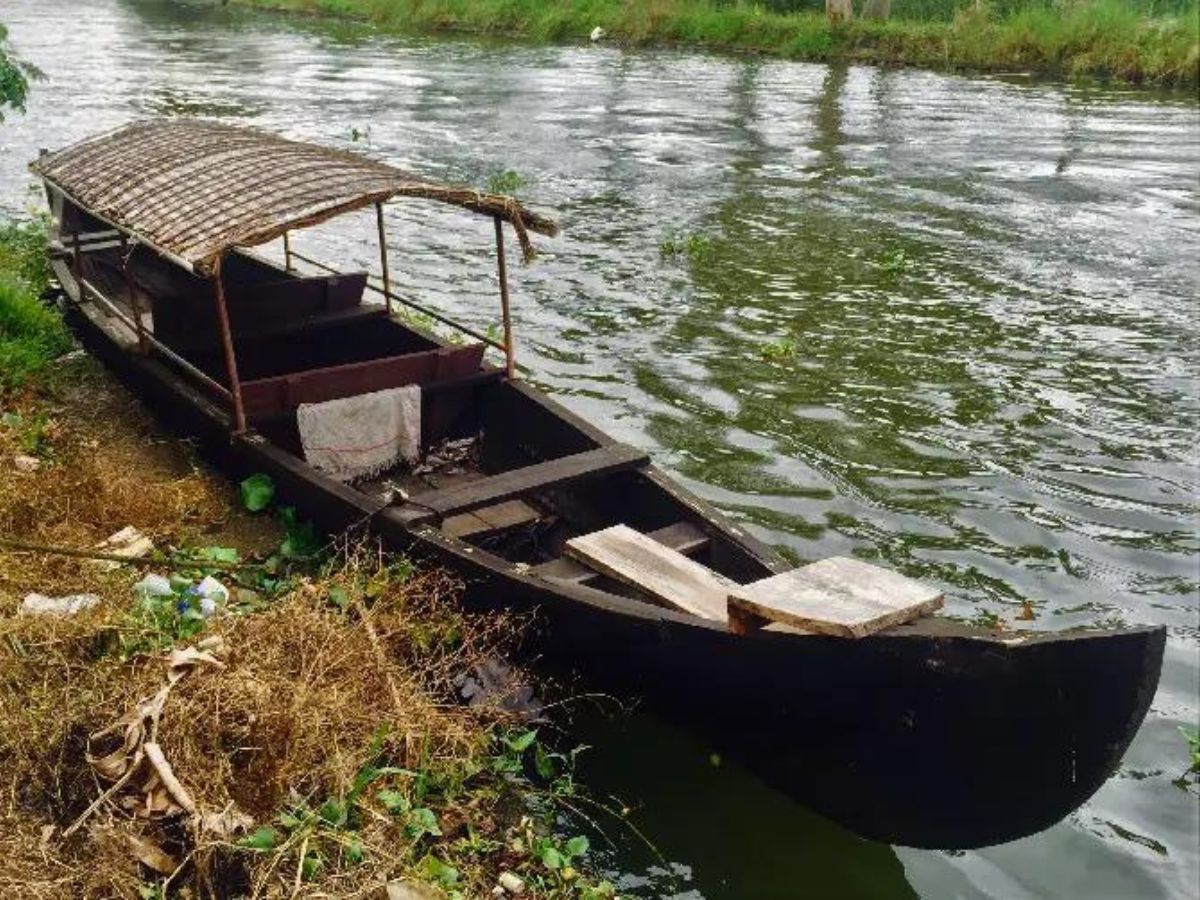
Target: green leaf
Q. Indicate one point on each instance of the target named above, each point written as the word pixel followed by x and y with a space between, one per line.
pixel 437 870
pixel 264 838
pixel 289 821
pixel 420 822
pixel 522 742
pixel 217 554
pixel 339 598
pixel 393 801
pixel 544 762
pixel 311 866
pixel 334 813
pixel 354 851
pixel 551 858
pixel 577 846
pixel 300 539
pixel 257 492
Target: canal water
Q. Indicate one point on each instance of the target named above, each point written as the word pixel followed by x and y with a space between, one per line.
pixel 947 322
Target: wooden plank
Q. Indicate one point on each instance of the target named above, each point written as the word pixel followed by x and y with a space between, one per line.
pixel 517 482
pixel 491 519
pixel 684 537
pixel 838 596
pixel 663 573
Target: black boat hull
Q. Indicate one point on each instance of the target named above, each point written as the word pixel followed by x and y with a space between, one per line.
pixel 929 735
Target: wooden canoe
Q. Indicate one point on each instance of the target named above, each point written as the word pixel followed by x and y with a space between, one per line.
pixel 929 734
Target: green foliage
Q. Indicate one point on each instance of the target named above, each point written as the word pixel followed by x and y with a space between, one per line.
pixel 696 247
pixel 23 253
pixel 1193 742
pixel 32 432
pixel 31 334
pixel 15 75
pixel 158 623
pixel 257 492
pixel 506 182
pixel 781 348
pixel 332 831
pixel 1138 40
pixel 300 539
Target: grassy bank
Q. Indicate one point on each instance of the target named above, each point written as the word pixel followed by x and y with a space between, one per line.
pixel 1135 41
pixel 313 729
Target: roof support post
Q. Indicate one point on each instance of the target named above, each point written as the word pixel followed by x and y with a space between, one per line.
pixel 287 252
pixel 135 305
pixel 510 357
pixel 383 260
pixel 77 264
pixel 235 385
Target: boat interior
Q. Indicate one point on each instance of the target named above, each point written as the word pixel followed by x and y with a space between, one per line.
pixel 500 467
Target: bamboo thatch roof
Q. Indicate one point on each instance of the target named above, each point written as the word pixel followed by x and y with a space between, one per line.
pixel 197 188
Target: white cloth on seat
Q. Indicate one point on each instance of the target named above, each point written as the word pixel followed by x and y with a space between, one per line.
pixel 355 437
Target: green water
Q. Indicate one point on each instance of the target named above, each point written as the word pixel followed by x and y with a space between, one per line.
pixel 947 322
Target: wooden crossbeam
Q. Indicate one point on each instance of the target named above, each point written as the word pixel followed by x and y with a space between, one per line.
pixel 519 482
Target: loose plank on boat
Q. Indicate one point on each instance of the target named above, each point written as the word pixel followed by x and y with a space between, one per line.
pixel 838 596
pixel 637 559
pixel 682 537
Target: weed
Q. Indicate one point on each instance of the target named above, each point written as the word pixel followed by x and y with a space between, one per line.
pixel 781 348
pixel 1193 741
pixel 506 182
pixel 696 247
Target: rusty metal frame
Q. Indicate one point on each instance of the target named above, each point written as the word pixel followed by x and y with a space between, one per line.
pixel 383 256
pixel 86 287
pixel 510 358
pixel 235 385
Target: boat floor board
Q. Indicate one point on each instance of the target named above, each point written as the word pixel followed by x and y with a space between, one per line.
pixel 683 537
pixel 838 596
pixel 493 489
pixel 491 519
pixel 637 559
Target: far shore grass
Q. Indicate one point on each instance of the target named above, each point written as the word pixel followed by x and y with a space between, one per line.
pixel 1139 41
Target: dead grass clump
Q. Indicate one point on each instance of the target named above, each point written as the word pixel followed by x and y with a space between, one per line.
pixel 306 687
pixel 100 464
pixel 341 689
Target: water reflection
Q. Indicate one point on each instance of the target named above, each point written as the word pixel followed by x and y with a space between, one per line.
pixel 947 322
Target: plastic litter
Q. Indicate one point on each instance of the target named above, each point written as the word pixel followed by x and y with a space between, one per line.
pixel 41 605
pixel 153 585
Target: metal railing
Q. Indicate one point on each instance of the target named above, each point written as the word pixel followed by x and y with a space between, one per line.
pixel 86 287
pixel 412 304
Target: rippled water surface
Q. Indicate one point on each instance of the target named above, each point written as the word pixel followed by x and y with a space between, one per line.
pixel 950 322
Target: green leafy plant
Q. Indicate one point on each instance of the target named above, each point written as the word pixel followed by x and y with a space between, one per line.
pixel 1193 741
pixel 782 348
pixel 506 182
pixel 257 492
pixel 695 247
pixel 300 539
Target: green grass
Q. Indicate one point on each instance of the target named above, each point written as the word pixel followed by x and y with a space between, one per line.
pixel 1143 41
pixel 31 335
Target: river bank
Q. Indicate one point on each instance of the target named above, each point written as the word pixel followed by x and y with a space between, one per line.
pixel 302 733
pixel 1091 38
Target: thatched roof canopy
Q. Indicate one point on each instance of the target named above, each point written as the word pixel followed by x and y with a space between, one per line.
pixel 197 188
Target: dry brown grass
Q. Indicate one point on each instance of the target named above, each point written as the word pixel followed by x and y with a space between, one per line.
pixel 307 685
pixel 104 464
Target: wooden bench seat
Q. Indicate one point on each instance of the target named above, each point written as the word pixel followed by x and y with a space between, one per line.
pixel 523 481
